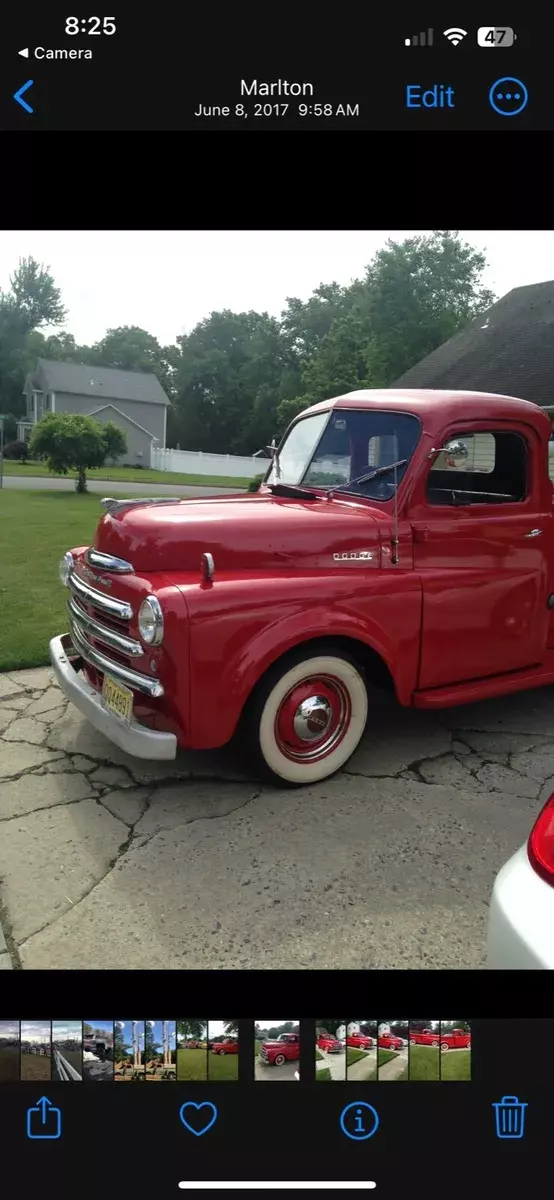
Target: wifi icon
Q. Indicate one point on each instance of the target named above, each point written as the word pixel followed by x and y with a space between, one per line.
pixel 455 35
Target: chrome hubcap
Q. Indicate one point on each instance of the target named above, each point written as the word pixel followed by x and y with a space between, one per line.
pixel 312 718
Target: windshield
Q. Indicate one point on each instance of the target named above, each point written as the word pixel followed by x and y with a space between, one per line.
pixel 328 450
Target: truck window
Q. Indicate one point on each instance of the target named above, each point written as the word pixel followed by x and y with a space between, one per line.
pixel 495 471
pixel 356 441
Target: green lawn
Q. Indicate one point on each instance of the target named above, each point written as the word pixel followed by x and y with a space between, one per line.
pixel 456 1064
pixel 36 528
pixel 424 1063
pixel 323 1075
pixel 318 1055
pixel 221 1066
pixel 353 1055
pixel 384 1056
pixel 192 1064
pixel 129 475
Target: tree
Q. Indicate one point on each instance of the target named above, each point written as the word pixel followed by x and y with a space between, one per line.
pixel 33 301
pixel 231 1027
pixel 114 440
pixel 191 1030
pixel 36 296
pixel 415 295
pixel 120 1049
pixel 10 428
pixel 150 1043
pixel 228 382
pixel 69 442
pixel 331 1024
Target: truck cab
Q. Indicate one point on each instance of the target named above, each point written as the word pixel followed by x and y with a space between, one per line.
pixel 402 540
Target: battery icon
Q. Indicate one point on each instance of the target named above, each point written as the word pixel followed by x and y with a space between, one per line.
pixel 490 36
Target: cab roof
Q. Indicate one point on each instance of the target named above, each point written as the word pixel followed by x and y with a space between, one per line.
pixel 449 405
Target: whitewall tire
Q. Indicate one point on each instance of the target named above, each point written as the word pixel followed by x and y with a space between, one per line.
pixel 307 717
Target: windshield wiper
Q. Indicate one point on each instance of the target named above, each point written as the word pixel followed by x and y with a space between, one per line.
pixel 292 491
pixel 344 487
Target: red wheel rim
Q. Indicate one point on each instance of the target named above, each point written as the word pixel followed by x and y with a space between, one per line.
pixel 313 719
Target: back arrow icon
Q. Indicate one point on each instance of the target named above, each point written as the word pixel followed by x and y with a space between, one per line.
pixel 18 96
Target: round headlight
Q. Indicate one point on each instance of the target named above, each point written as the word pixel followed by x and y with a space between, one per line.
pixel 66 567
pixel 151 622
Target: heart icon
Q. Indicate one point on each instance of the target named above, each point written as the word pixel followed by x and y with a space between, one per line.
pixel 204 1120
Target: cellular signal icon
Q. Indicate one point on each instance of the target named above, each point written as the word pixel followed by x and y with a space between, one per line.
pixel 420 39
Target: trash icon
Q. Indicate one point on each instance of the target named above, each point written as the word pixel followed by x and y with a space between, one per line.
pixel 510 1117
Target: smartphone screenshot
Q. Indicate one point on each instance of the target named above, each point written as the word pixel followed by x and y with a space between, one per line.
pixel 276 691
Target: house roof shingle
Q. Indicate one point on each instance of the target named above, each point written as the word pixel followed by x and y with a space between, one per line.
pixel 108 383
pixel 509 349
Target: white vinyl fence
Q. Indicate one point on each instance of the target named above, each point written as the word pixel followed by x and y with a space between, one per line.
pixel 196 462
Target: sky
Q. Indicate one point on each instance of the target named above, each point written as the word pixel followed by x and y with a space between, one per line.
pixel 105 1026
pixel 157 1031
pixel 9 1029
pixel 168 281
pixel 35 1031
pixel 216 1029
pixel 66 1031
pixel 271 1021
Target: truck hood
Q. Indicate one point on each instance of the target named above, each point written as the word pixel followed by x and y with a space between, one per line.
pixel 254 532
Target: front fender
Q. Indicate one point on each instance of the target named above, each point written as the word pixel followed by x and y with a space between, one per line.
pixel 238 632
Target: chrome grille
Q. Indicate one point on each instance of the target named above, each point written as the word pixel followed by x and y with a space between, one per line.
pixel 102 633
pixel 95 617
pixel 106 604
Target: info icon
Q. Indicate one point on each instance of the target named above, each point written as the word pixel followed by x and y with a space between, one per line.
pixel 359 1121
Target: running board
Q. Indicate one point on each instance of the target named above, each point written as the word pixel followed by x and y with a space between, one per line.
pixel 486 689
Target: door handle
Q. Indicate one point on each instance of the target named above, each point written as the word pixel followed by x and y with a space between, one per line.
pixel 534 533
pixel 421 533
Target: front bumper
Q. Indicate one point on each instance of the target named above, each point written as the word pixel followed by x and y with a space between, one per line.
pixel 135 739
pixel 521 919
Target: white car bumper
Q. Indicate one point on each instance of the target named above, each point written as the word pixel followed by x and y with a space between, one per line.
pixel 521 918
pixel 136 739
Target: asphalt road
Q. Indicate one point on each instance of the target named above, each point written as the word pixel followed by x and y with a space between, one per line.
pixel 106 487
pixel 110 862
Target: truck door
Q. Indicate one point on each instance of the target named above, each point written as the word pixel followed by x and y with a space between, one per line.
pixel 482 546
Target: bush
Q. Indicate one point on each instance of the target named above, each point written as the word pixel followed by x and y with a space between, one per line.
pixel 71 442
pixel 18 450
pixel 254 485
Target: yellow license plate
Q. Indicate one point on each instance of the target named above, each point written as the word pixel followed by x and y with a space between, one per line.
pixel 117 699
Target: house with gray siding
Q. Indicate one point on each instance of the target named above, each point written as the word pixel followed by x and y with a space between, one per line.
pixel 134 400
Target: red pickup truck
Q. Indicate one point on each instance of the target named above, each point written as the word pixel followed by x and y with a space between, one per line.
pixel 402 540
pixel 228 1045
pixel 286 1048
pixel 424 1037
pixel 328 1043
pixel 359 1041
pixel 389 1041
pixel 457 1039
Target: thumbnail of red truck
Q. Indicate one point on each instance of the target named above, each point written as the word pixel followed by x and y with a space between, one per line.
pixel 284 1049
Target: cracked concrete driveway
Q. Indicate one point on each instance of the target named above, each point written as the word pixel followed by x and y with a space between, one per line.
pixel 107 861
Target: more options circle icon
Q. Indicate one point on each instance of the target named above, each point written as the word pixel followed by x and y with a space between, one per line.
pixel 508 96
pixel 359 1121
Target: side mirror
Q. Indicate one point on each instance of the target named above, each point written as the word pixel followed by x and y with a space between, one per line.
pixel 455 450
